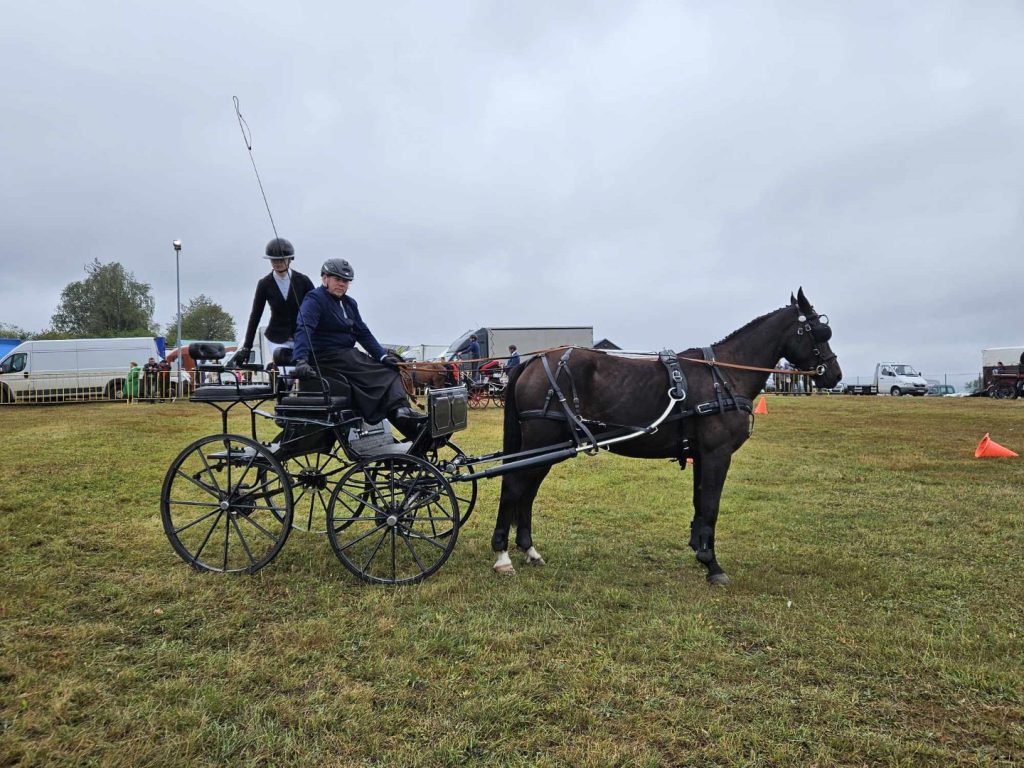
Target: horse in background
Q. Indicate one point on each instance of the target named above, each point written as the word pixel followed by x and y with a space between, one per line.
pixel 710 424
pixel 432 375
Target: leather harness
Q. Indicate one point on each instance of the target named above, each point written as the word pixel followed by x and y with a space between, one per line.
pixel 581 428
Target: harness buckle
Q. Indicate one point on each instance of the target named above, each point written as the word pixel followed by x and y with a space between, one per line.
pixel 703 409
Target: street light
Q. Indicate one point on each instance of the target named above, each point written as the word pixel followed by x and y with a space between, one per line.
pixel 177 274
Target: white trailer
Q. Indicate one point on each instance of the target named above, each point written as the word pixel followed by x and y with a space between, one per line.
pixel 61 370
pixel 495 340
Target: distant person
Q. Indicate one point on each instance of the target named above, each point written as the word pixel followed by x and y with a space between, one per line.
pixel 513 358
pixel 164 379
pixel 998 369
pixel 149 377
pixel 471 348
pixel 131 384
pixel 283 289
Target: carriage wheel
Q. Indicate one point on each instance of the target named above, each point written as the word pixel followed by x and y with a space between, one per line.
pixel 393 519
pixel 498 397
pixel 1002 392
pixel 226 504
pixel 312 477
pixel 465 491
pixel 477 398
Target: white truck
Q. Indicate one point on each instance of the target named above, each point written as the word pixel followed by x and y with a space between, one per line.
pixel 58 370
pixel 495 341
pixel 892 379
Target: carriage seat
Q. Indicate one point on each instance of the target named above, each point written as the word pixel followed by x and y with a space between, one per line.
pixel 224 393
pixel 206 350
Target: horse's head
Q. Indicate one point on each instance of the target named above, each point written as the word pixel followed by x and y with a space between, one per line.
pixel 807 348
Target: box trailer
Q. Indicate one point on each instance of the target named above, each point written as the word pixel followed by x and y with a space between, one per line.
pixel 495 340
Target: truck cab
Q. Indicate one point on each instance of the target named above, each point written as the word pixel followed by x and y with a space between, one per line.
pixel 899 379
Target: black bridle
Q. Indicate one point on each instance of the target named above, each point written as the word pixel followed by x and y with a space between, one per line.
pixel 816 326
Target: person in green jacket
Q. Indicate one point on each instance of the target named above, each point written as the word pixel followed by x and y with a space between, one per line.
pixel 131 385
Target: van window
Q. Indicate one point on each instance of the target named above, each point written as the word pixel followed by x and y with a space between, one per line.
pixel 14 363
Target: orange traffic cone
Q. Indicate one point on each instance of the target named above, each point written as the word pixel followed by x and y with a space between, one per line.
pixel 761 407
pixel 989 448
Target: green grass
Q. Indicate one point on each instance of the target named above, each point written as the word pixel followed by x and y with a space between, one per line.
pixel 874 616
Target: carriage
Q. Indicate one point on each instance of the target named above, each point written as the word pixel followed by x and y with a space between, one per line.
pixel 388 507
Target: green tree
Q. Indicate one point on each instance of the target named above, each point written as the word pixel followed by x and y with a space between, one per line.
pixel 109 302
pixel 12 331
pixel 204 319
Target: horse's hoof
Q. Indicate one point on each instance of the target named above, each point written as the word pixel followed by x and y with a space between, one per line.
pixel 505 569
pixel 718 580
pixel 533 557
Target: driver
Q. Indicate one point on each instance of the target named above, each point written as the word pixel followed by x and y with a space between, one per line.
pixel 326 331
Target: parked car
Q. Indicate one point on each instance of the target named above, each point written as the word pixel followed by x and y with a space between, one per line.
pixel 940 390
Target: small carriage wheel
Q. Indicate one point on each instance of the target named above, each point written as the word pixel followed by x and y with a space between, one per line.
pixel 312 475
pixel 393 519
pixel 477 397
pixel 226 504
pixel 465 491
pixel 1002 392
pixel 498 397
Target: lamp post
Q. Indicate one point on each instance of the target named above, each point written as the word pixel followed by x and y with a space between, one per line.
pixel 177 274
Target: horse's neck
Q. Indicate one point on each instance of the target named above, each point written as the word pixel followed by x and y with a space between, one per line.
pixel 758 345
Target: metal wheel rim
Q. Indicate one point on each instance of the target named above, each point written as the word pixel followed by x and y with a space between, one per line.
pixel 226 505
pixel 393 520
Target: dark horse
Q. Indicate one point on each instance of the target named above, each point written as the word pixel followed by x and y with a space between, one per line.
pixel 613 391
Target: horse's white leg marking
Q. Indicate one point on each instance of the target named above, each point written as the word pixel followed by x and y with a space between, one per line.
pixel 504 563
pixel 533 557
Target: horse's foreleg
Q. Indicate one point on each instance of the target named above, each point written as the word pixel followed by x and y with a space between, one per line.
pixel 707 497
pixel 518 490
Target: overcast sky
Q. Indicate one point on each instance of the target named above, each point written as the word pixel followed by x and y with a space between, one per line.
pixel 663 171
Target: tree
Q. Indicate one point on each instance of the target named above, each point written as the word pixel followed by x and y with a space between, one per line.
pixel 12 331
pixel 109 302
pixel 204 319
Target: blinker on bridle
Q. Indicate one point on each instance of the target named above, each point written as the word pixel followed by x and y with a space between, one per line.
pixel 817 327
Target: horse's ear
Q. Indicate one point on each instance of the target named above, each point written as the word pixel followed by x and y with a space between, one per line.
pixel 803 303
pixel 792 299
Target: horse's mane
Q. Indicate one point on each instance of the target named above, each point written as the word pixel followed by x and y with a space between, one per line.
pixel 755 321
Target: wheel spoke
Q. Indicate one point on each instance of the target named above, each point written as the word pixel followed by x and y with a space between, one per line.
pixel 198 520
pixel 241 538
pixel 209 533
pixel 260 528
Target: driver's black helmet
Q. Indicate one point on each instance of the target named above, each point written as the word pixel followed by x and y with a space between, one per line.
pixel 339 268
pixel 279 248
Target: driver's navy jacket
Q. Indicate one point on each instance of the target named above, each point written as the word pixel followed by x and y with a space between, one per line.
pixel 327 324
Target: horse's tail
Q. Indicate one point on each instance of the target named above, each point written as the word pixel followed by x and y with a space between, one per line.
pixel 513 439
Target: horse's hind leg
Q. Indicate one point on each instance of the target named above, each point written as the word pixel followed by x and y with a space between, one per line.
pixel 709 479
pixel 518 490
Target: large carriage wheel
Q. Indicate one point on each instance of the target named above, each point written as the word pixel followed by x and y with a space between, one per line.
pixel 312 477
pixel 226 504
pixel 393 519
pixel 465 491
pixel 1002 391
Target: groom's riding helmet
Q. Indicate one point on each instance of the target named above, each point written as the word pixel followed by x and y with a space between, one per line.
pixel 279 248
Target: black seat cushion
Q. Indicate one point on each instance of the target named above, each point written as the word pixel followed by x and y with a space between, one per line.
pixel 206 350
pixel 223 393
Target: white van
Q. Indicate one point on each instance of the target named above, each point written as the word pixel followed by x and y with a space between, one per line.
pixel 71 369
pixel 899 379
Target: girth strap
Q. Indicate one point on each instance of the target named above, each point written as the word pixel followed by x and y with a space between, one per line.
pixel 579 428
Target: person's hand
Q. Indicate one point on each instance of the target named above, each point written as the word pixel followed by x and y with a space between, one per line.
pixel 242 355
pixel 391 359
pixel 303 370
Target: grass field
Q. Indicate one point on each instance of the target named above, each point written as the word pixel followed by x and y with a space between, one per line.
pixel 875 614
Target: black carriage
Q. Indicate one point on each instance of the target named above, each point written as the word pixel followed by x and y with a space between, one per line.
pixel 388 507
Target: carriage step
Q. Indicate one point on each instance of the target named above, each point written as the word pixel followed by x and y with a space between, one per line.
pixel 376 440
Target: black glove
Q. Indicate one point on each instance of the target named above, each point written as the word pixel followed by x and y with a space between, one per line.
pixel 391 359
pixel 242 355
pixel 303 370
